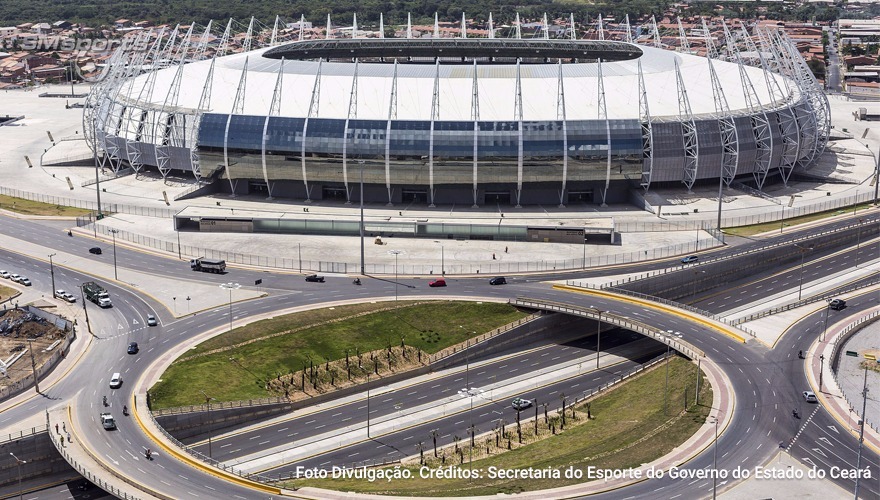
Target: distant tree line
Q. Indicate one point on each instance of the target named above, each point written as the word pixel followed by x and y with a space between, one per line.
pixel 103 12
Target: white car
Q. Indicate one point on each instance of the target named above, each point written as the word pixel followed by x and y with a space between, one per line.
pixel 4 274
pixel 69 297
pixel 59 294
pixel 14 277
pixel 24 281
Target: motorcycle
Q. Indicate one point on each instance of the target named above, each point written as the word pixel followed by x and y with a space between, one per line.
pixel 125 410
pixel 794 413
pixel 357 281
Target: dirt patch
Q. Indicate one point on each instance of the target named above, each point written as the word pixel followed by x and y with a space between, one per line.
pixel 17 328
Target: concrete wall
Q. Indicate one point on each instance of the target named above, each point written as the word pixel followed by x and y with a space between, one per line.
pixel 37 450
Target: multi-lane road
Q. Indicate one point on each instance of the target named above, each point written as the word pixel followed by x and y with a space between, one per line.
pixel 767 382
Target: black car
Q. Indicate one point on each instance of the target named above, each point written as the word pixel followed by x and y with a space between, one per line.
pixel 837 304
pixel 500 280
pixel 315 278
pixel 95 250
pixel 133 348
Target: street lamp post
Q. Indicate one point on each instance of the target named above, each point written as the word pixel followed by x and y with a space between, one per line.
pixel 876 173
pixel 368 405
pixel 395 253
pixel 115 272
pixel 174 299
pixel 85 311
pixel 862 431
pixel 598 334
pixel 20 491
pixel 801 281
pixel 363 266
pixel 208 400
pixel 228 286
pixel 52 272
pixel 821 368
pixel 825 328
pixel 715 462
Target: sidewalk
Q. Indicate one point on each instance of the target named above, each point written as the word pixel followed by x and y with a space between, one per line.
pixel 831 397
pixel 69 445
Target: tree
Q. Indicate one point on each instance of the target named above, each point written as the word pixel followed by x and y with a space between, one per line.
pixel 434 438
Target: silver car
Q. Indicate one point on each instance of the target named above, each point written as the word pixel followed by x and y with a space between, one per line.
pixel 4 274
pixel 810 397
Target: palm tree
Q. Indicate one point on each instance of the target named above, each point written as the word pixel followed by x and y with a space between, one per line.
pixel 434 438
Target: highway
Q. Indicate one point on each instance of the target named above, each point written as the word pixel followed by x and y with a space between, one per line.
pixel 767 382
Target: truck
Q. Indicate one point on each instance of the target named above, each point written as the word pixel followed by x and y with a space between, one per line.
pixel 107 421
pixel 208 265
pixel 97 294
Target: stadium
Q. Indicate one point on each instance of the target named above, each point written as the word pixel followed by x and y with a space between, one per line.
pixel 506 121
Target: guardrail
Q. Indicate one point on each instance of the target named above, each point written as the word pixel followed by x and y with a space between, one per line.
pixel 208 460
pixel 85 472
pixel 867 223
pixel 449 351
pixel 679 345
pixel 809 300
pixel 21 434
pixel 223 405
pixel 670 303
pixel 844 335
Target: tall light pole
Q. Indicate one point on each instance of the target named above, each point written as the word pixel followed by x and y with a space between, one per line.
pixel 363 266
pixel 368 405
pixel 876 173
pixel 208 400
pixel 715 461
pixel 52 272
pixel 20 491
pixel 598 334
pixel 115 273
pixel 862 431
pixel 85 311
pixel 825 329
pixel 821 369
pixel 801 281
pixel 442 262
pixel 230 286
pixel 395 253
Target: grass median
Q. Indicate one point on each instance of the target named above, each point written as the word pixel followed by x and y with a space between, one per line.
pixel 239 364
pixel 627 428
pixel 29 207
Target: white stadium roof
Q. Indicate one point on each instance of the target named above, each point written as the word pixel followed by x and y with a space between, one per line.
pixel 496 87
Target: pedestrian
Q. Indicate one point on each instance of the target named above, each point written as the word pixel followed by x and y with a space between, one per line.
pixel 64 426
pixel 493 256
pixel 62 441
pixel 505 249
pixel 68 438
pixel 56 429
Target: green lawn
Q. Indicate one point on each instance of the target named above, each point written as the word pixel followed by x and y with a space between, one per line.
pixel 615 438
pixel 6 292
pixel 428 326
pixel 28 207
pixel 794 221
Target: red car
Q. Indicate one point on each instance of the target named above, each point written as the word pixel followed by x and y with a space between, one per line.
pixel 437 282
